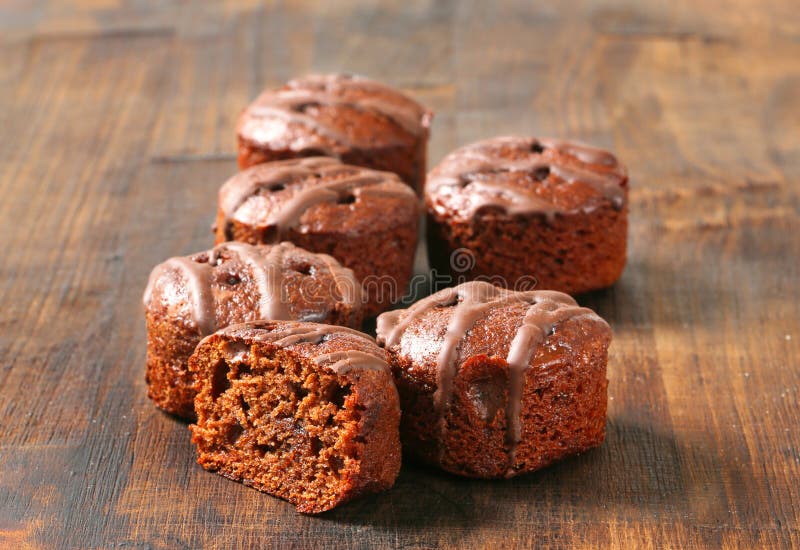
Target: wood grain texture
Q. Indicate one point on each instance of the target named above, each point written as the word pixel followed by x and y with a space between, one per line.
pixel 117 128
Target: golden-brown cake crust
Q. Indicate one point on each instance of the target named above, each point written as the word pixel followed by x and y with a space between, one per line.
pixel 190 297
pixel 357 120
pixel 303 411
pixel 496 383
pixel 529 211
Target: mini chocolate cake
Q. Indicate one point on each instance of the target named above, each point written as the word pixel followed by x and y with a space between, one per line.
pixel 520 208
pixel 190 297
pixel 495 383
pixel 305 412
pixel 364 218
pixel 354 119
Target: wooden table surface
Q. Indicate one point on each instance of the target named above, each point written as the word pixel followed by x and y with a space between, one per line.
pixel 117 128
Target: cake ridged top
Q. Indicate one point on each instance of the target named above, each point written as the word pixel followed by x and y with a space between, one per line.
pixel 339 349
pixel 524 175
pixel 449 327
pixel 313 194
pixel 236 282
pixel 331 113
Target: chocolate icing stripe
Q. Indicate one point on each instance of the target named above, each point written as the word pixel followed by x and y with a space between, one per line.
pixel 584 153
pixel 346 361
pixel 344 278
pixel 236 191
pixel 539 320
pixel 404 111
pixel 512 201
pixel 267 271
pixel 460 181
pixel 312 334
pixel 285 110
pixel 268 274
pixel 286 107
pixel 574 174
pixel 392 324
pixel 338 90
pixel 289 333
pixel 245 184
pixel 291 211
pixel 197 277
pixel 408 121
pixel 466 314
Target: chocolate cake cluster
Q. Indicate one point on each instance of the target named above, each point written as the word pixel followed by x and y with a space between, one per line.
pixel 258 340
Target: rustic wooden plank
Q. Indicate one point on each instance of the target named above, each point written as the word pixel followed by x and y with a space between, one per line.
pixel 63 385
pixel 117 130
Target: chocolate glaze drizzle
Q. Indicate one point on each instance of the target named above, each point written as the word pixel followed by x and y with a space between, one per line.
pixel 197 273
pixel 290 102
pixel 350 291
pixel 346 361
pixel 464 176
pixel 299 184
pixel 268 274
pixel 471 301
pixel 198 283
pixel 340 362
pixel 310 332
